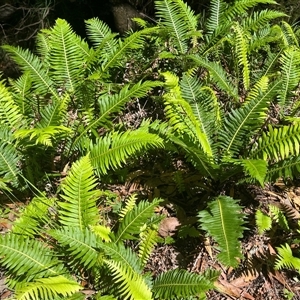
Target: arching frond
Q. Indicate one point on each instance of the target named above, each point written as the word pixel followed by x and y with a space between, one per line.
pixel 112 150
pixel 148 239
pixel 129 205
pixel 224 222
pixel 244 121
pixel 286 259
pixel 288 35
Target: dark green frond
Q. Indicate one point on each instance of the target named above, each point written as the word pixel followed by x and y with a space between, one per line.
pixel 176 283
pixel 218 75
pixel 79 208
pixel 244 121
pixel 223 220
pixel 288 35
pixel 216 17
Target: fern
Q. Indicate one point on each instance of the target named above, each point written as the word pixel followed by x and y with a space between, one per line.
pixel 263 221
pixel 286 259
pixel 134 219
pixel 129 205
pixel 180 283
pixel 224 222
pixel 79 208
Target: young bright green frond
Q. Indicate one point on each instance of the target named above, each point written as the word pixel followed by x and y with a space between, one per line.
pixel 278 143
pixel 34 216
pixel 223 221
pixel 263 221
pixel 43 46
pixel 48 288
pixel 81 245
pixel 259 87
pixel 79 208
pixel 130 285
pixel 218 75
pixel 9 111
pixel 101 35
pixel 104 232
pixel 288 35
pixel 177 283
pixel 130 203
pixel 135 219
pixel 256 169
pixel 29 62
pixel 286 259
pixel 28 259
pixel 242 53
pixel 68 54
pixel 44 135
pixel 148 239
pixel 260 19
pixel 112 150
pixel 239 7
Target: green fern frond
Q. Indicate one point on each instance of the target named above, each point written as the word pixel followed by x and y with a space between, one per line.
pixel 290 63
pixel 103 232
pixel 9 161
pixel 28 259
pixel 288 35
pixel 68 53
pixel 278 216
pixel 244 120
pixel 81 245
pixel 288 168
pixel 34 216
pixel 79 208
pixel 223 220
pixel 263 221
pixel 56 287
pixel 112 150
pixel 278 143
pixel 176 283
pixel 241 6
pixel 242 53
pixel 260 19
pixel 44 135
pixel 21 89
pixel 286 259
pixel 9 112
pixel 100 35
pixel 178 20
pixel 130 285
pixel 110 104
pixel 259 87
pixel 43 45
pixel 135 219
pixel 148 239
pixel 256 168
pixel 218 75
pixel 30 63
pixel 116 57
pixel 214 21
pixel 129 205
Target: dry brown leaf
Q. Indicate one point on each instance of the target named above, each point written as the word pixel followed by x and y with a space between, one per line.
pixel 168 226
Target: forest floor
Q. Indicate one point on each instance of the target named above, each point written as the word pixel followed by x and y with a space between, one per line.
pixel 254 279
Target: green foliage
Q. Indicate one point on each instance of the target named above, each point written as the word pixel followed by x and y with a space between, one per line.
pixel 223 220
pixel 45 255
